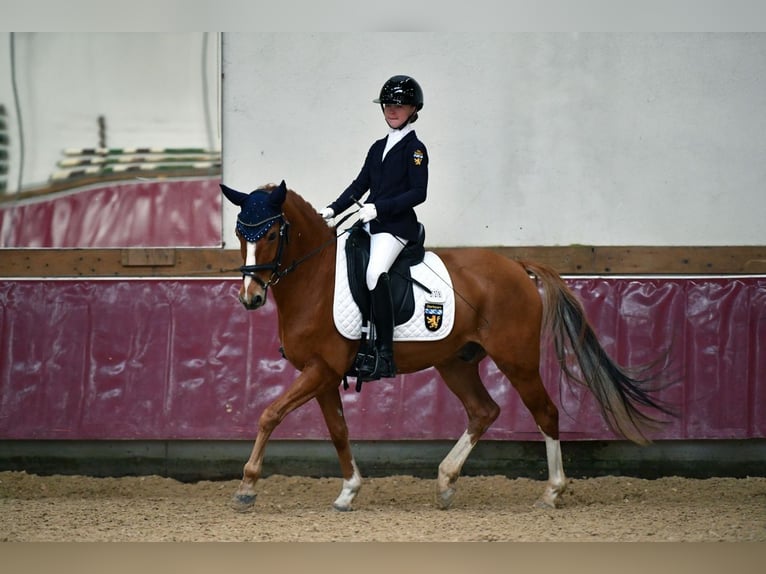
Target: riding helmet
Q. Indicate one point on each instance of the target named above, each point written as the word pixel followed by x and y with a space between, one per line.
pixel 402 90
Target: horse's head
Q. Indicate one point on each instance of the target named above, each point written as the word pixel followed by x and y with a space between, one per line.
pixel 261 229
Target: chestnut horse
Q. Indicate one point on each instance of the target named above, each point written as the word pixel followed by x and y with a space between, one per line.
pixel 500 313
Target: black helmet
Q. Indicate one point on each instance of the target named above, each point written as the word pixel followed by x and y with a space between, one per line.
pixel 402 90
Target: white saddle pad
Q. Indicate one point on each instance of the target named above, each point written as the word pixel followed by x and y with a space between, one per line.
pixel 434 313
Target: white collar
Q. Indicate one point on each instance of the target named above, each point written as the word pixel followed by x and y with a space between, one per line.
pixel 395 136
pixel 399 134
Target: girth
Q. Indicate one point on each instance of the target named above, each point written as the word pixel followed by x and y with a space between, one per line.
pixel 357 257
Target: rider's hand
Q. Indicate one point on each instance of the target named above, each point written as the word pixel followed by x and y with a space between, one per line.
pixel 327 214
pixel 368 212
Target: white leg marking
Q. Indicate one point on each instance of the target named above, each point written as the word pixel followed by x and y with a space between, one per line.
pixel 557 481
pixel 349 491
pixel 450 467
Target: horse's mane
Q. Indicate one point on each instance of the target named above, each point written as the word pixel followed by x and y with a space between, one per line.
pixel 302 204
pixel 297 201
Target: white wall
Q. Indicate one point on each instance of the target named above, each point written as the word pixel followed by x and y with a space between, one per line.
pixel 534 138
pixel 154 89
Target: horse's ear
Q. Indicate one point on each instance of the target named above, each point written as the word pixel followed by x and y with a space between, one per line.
pixel 236 197
pixel 277 195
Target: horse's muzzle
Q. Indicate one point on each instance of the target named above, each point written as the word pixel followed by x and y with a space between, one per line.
pixel 254 302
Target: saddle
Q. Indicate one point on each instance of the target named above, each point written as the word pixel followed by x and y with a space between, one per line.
pixel 357 257
pixel 400 277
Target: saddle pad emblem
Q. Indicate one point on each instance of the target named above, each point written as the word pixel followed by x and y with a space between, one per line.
pixel 433 313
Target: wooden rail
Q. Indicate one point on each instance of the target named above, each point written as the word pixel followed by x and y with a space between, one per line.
pixel 217 262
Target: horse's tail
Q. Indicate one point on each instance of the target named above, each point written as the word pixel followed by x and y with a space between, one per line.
pixel 622 394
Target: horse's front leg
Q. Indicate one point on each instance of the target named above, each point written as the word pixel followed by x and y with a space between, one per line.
pixel 304 388
pixel 332 409
pixel 244 498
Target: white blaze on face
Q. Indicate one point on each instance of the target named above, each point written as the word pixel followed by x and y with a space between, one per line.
pixel 249 260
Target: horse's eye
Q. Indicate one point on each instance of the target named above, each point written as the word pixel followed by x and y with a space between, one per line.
pixel 272 236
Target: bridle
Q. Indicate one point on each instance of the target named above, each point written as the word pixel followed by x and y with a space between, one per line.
pixel 276 263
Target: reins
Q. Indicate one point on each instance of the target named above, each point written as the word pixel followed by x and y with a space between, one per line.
pixel 313 252
pixel 274 266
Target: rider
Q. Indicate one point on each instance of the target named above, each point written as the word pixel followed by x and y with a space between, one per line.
pixel 395 172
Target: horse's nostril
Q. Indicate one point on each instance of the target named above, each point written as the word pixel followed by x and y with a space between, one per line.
pixel 253 303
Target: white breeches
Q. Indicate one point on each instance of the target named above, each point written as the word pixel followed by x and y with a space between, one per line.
pixel 384 249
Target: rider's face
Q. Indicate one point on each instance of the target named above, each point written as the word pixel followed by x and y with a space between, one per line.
pixel 397 114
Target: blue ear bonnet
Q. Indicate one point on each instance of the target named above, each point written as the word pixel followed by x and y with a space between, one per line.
pixel 257 216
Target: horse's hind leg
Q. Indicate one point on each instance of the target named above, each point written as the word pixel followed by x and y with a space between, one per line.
pixel 332 409
pixel 530 387
pixel 463 380
pixel 557 482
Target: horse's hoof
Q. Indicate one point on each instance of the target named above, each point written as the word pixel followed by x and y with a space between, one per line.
pixel 545 504
pixel 342 507
pixel 550 498
pixel 445 498
pixel 243 502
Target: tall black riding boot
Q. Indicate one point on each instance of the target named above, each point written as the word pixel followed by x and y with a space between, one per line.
pixel 383 318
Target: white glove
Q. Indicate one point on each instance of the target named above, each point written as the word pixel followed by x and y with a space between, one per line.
pixel 327 214
pixel 367 212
